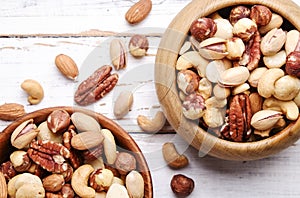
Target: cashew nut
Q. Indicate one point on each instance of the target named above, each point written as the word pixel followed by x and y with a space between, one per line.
pixel 297 99
pixel 172 157
pixel 267 81
pixel 123 104
pixel 79 181
pixel 34 90
pixel 256 75
pixel 152 125
pixel 289 108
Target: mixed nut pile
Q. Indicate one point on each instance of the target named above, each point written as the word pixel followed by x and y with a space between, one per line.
pixel 68 155
pixel 238 73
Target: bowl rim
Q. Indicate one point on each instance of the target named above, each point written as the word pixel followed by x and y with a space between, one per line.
pixel 122 137
pixel 165 78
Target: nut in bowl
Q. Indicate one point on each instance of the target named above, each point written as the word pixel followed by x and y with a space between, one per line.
pixel 69 152
pixel 234 92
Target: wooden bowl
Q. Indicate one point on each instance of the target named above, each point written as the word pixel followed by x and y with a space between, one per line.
pixel 123 139
pixel 165 80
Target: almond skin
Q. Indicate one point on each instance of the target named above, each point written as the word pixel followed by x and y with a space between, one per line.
pixel 66 66
pixel 139 11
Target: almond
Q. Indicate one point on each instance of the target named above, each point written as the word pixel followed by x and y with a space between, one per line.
pixel 87 140
pixel 3 186
pixel 139 11
pixel 11 111
pixel 66 66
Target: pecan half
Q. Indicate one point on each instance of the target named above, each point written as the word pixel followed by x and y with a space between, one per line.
pixel 252 54
pixel 238 127
pixel 96 86
pixel 49 155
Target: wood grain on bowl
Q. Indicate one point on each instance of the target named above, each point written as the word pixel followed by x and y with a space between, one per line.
pixel 123 139
pixel 165 79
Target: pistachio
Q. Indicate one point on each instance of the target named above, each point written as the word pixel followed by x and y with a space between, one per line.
pixel 272 42
pixel 24 134
pixel 265 119
pixel 118 54
pixel 234 76
pixel 213 48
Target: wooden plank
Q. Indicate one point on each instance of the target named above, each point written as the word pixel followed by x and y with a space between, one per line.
pixel 276 176
pixel 23 58
pixel 78 18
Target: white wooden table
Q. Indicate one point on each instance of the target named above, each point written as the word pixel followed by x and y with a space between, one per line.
pixel 33 32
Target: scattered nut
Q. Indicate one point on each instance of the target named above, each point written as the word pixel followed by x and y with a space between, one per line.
pixel 152 125
pixel 138 45
pixel 138 12
pixel 118 54
pixel 123 104
pixel 66 66
pixel 11 111
pixel 182 185
pixel 172 157
pixel 34 90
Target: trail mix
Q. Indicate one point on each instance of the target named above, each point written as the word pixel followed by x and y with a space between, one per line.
pixel 68 155
pixel 238 73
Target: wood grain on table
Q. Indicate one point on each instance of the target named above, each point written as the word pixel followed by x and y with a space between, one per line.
pixel 33 32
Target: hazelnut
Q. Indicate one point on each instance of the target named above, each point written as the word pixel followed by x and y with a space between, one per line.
pixel 203 28
pixel 261 15
pixel 238 13
pixel 125 163
pixel 101 179
pixel 188 81
pixel 182 185
pixel 138 45
pixel 244 28
pixel 20 160
pixel 235 47
pixel 53 183
pixel 292 66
